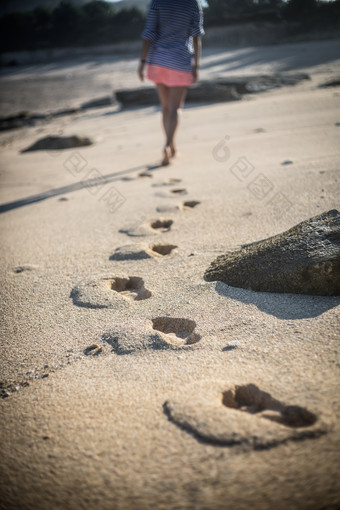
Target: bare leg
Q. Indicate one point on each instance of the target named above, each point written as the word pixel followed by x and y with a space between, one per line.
pixel 172 100
pixel 176 100
pixel 163 93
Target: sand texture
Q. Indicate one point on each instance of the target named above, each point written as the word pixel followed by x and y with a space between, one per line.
pixel 128 381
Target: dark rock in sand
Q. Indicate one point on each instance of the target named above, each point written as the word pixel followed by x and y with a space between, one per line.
pixel 99 102
pixel 15 121
pixel 59 142
pixel 130 252
pixel 212 93
pixel 260 83
pixel 137 97
pixel 218 90
pixel 203 92
pixel 303 260
pixel 332 83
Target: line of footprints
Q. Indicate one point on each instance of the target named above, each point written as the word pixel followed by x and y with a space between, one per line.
pixel 246 413
pixel 171 332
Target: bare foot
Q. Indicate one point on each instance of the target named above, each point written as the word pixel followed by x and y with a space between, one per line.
pixel 167 156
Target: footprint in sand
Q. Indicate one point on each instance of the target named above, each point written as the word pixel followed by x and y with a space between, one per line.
pixel 179 191
pixel 161 225
pixel 163 209
pixel 141 251
pixel 110 292
pixel 172 181
pixel 131 288
pixel 190 204
pixel 227 414
pixel 162 249
pixel 137 230
pixel 145 174
pixel 144 229
pixel 130 252
pixel 162 333
pixel 175 332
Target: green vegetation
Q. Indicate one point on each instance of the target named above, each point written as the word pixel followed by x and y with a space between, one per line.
pixel 99 22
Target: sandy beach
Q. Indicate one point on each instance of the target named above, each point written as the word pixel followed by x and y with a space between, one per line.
pixel 89 373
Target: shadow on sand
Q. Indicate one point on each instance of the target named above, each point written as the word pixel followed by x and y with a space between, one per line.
pixel 282 306
pixel 105 179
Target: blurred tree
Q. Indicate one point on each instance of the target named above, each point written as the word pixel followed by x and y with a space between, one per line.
pixel 299 9
pixel 16 30
pixel 97 10
pixel 65 22
pixel 98 21
pixel 42 24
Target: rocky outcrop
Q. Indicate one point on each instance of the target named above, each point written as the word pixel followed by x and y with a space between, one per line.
pixel 331 83
pixel 303 260
pixel 218 90
pixel 26 118
pixel 210 92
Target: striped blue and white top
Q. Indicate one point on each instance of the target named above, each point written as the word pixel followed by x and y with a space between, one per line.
pixel 171 25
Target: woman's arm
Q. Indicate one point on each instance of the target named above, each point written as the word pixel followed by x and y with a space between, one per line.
pixel 145 50
pixel 197 55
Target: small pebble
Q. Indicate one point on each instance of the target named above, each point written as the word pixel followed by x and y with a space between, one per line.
pixel 234 343
pixel 231 345
pixel 92 347
pixel 287 162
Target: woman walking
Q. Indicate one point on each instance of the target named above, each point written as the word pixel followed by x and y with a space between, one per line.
pixel 171 40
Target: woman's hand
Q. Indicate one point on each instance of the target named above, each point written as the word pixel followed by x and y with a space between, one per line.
pixel 140 71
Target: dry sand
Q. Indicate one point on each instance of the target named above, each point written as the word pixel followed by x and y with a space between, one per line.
pixel 91 430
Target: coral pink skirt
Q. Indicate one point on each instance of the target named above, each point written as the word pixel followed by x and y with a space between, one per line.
pixel 168 76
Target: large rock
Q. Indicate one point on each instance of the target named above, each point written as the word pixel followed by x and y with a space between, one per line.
pixel 263 82
pixel 218 90
pixel 58 142
pixel 203 92
pixel 303 260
